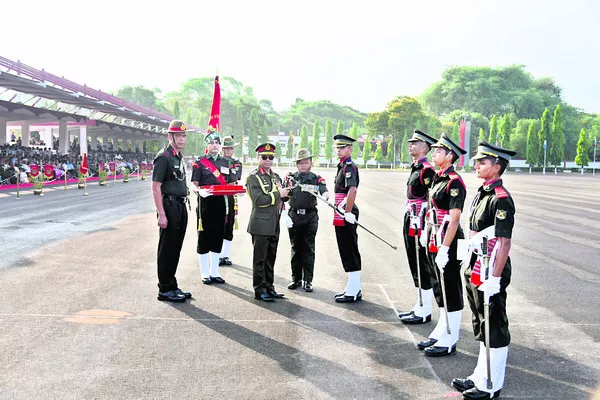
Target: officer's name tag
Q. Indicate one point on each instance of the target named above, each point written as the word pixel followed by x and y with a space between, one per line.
pixel 462 250
pixel 225 170
pixel 176 166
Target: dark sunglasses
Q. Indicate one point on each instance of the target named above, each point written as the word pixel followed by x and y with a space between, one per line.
pixel 268 157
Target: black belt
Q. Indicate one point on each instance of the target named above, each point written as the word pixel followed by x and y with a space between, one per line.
pixel 181 199
pixel 303 211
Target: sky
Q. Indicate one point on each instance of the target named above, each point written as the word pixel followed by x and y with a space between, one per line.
pixel 357 53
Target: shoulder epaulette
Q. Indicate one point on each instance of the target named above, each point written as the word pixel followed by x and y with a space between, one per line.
pixel 501 193
pixel 426 164
pixel 455 177
pixel 349 162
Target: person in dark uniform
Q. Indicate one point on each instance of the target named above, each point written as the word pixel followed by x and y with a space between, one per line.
pixel 447 197
pixel 212 169
pixel 235 165
pixel 303 219
pixel 170 194
pixel 346 185
pixel 265 189
pixel 492 215
pixel 419 182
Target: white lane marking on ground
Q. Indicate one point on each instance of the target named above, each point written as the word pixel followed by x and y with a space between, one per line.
pixel 427 363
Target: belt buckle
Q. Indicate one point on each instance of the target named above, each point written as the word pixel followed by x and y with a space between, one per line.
pixel 301 211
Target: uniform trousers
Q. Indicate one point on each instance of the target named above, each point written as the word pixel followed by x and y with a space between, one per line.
pixel 170 242
pixel 409 245
pixel 302 238
pixel 263 262
pixel 347 241
pixel 452 279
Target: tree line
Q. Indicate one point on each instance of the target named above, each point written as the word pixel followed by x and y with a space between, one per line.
pixel 505 105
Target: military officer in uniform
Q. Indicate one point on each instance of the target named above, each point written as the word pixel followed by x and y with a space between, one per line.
pixel 419 182
pixel 212 169
pixel 492 215
pixel 170 194
pixel 265 189
pixel 447 197
pixel 235 165
pixel 344 220
pixel 303 219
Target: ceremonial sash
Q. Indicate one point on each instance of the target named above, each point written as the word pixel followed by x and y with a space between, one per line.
pixel 338 218
pixel 436 237
pixel 415 215
pixel 213 169
pixel 475 244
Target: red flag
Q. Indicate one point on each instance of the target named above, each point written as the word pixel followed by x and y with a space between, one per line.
pixel 84 165
pixel 215 113
pixel 48 171
pixel 34 170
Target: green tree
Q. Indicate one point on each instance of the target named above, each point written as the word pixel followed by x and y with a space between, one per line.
pixel 557 149
pixel 328 140
pixel 505 130
pixel 493 130
pixel 390 150
pixel 289 151
pixel 533 145
pixel 583 149
pixel 278 153
pixel 377 124
pixel 367 150
pixel 265 132
pixel 482 136
pixel 356 146
pixel 253 131
pixel 177 111
pixel 316 140
pixel 455 135
pixel 404 155
pixel 378 152
pixel 304 137
pixel 188 116
pixel 544 134
pixel 518 139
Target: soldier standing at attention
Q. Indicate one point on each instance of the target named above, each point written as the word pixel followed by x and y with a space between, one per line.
pixel 419 182
pixel 235 165
pixel 212 169
pixel 492 216
pixel 346 185
pixel 303 219
pixel 265 189
pixel 447 196
pixel 170 192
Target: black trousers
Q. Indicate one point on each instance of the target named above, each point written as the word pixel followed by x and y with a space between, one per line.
pixel 302 238
pixel 454 289
pixel 169 244
pixel 347 241
pixel 410 246
pixel 263 262
pixel 213 224
pixel 499 332
pixel 230 220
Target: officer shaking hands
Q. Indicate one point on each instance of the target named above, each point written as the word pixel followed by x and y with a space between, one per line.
pixel 303 219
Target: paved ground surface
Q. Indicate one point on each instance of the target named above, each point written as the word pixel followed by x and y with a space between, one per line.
pixel 79 317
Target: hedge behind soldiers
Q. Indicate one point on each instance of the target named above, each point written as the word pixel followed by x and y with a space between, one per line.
pixel 417 187
pixel 212 169
pixel 346 185
pixel 492 216
pixel 303 219
pixel 235 165
pixel 170 192
pixel 265 189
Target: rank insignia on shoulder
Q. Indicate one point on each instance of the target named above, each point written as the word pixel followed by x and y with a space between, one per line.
pixel 453 192
pixel 426 181
pixel 348 174
pixel 501 214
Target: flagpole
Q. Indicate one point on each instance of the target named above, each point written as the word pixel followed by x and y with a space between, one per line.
pixel 18 183
pixel 65 170
pixel 41 177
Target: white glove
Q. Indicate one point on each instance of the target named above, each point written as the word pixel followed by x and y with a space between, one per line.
pixel 288 221
pixel 204 192
pixel 325 196
pixel 423 238
pixel 342 206
pixel 442 258
pixel 491 286
pixel 350 218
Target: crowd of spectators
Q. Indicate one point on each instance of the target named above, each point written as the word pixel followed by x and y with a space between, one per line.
pixel 15 158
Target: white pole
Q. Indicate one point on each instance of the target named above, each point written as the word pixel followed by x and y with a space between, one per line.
pixel 545 145
pixel 595 146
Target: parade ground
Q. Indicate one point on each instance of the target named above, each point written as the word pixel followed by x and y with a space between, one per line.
pixel 79 317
